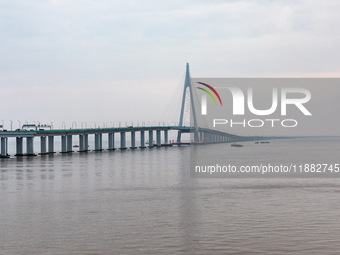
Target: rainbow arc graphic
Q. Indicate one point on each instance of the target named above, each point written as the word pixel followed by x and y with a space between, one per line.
pixel 209 90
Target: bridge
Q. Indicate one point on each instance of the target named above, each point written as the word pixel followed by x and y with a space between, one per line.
pixel 47 137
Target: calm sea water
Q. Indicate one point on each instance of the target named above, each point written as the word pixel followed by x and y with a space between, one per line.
pixel 145 202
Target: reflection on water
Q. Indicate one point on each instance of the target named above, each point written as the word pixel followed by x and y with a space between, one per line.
pixel 144 202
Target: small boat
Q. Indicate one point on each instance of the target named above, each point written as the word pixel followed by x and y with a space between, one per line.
pixel 264 142
pixel 236 145
pixel 76 146
pixel 256 142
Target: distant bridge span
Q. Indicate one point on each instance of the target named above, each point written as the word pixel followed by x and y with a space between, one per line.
pixel 200 135
pixel 47 138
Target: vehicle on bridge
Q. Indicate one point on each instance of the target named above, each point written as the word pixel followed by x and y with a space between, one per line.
pixel 29 127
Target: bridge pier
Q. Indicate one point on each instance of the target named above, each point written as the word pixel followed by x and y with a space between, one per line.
pixel 30 147
pixel 133 140
pixel 51 144
pixel 101 141
pixel 82 143
pixel 19 147
pixel 98 142
pixel 196 136
pixel 63 144
pixel 122 141
pixel 150 138
pixel 111 141
pixel 166 137
pixel 69 143
pixel 86 142
pixel 142 140
pixel 4 147
pixel 199 136
pixel 43 144
pixel 158 138
pixel 179 136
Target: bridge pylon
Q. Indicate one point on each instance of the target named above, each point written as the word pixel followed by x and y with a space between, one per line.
pixel 188 87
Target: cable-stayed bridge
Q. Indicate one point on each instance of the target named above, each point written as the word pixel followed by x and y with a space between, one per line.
pixel 146 136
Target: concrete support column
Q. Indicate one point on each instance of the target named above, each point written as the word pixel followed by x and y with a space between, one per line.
pixel 81 143
pixel 179 135
pixel 196 136
pixel 98 142
pixel 133 140
pixel 51 144
pixel 101 142
pixel 142 140
pixel 63 144
pixel 123 141
pixel 86 142
pixel 69 143
pixel 20 146
pixel 4 147
pixel 30 146
pixel 111 141
pixel 166 137
pixel 150 138
pixel 43 145
pixel 158 138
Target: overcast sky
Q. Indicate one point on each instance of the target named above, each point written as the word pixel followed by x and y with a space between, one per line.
pixel 106 60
